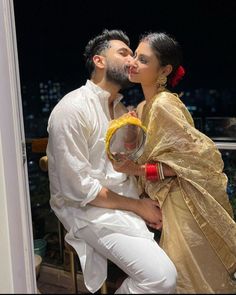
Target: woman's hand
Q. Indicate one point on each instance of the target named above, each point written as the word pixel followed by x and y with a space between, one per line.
pixel 125 165
pixel 168 171
pixel 133 113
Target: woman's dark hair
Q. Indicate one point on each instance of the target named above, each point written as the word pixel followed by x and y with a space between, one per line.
pixel 166 49
pixel 100 43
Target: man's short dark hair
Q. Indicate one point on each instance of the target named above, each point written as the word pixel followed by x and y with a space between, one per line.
pixel 100 43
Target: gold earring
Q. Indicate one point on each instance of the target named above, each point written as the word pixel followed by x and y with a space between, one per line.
pixel 161 82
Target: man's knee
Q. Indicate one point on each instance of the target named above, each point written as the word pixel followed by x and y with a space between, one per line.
pixel 162 283
pixel 155 284
pixel 169 284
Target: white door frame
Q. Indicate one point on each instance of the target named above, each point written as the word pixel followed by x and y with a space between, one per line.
pixel 17 270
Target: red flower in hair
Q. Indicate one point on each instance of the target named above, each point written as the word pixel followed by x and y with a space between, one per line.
pixel 178 76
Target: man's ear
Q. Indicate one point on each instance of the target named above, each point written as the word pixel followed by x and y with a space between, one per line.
pixel 99 61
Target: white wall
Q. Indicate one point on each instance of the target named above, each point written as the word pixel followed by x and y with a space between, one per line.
pixel 17 271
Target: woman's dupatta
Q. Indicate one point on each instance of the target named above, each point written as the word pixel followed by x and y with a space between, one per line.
pixel 172 139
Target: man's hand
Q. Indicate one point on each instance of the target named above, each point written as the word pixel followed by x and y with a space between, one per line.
pixel 150 211
pixel 146 208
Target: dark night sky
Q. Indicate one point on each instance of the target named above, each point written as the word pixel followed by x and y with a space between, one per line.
pixel 52 34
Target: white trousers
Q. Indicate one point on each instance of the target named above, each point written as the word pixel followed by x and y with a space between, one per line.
pixel 149 269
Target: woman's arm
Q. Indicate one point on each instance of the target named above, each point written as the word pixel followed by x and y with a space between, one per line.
pixel 130 167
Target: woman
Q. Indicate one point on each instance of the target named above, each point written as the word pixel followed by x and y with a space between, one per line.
pixel 198 229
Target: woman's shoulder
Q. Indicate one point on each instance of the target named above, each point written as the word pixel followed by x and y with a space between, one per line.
pixel 171 102
pixel 167 97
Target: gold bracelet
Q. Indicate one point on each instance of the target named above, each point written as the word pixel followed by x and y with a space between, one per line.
pixel 161 172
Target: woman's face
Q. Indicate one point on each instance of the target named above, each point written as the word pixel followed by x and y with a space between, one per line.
pixel 145 68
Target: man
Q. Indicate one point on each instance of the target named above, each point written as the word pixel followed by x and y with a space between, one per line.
pixel 99 207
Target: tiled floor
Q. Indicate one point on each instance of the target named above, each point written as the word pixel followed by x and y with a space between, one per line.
pixel 49 288
pixel 57 281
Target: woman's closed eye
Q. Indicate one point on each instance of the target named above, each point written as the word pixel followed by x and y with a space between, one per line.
pixel 141 58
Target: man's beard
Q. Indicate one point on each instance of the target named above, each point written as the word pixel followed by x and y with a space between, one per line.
pixel 118 76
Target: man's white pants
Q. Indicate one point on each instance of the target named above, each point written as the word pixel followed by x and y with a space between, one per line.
pixel 148 267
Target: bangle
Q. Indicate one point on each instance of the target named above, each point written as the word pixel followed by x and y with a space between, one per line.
pixel 161 172
pixel 152 172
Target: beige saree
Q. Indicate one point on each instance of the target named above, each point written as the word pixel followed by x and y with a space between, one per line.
pixel 199 232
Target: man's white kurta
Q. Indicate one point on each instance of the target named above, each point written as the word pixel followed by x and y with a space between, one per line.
pixel 79 168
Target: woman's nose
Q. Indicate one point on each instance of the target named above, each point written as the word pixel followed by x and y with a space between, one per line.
pixel 133 63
